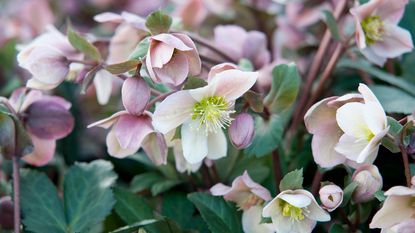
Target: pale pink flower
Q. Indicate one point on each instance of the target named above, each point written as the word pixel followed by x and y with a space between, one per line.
pixel 47 119
pixel 331 197
pixel 398 207
pixel 171 58
pixel 347 128
pixel 191 12
pixel 242 130
pixel 202 113
pixel 251 221
pixel 378 35
pixel 369 181
pixel 295 211
pixel 244 192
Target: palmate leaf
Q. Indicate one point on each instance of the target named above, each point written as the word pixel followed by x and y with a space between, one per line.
pixel 219 215
pixel 88 199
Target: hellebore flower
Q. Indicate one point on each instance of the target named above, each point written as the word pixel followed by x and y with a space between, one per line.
pixel 131 128
pixel 295 211
pixel 377 34
pixel 242 130
pixel 331 196
pixel 46 118
pixel 369 182
pixel 171 58
pixel 203 113
pixel 249 196
pixel 346 129
pixel 398 208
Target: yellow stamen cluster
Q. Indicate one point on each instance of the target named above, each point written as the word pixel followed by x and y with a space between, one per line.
pixel 288 210
pixel 374 29
pixel 212 113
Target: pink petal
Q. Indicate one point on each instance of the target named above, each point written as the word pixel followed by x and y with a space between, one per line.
pixel 108 122
pixel 400 191
pixel 108 17
pixel 114 148
pixel 391 11
pixel 130 130
pixel 232 84
pixel 373 57
pixel 255 49
pixel 175 72
pixel 57 100
pixel 230 39
pixel 172 41
pixel 125 40
pixel 195 64
pixel 219 68
pixel 135 95
pixel 256 188
pixel 156 149
pixel 220 189
pixel 173 111
pixel 43 151
pixel 396 42
pixel 365 10
pixel 161 53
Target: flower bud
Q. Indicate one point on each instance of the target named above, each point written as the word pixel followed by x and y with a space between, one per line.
pixel 7 135
pixel 369 182
pixel 331 196
pixel 241 131
pixel 135 95
pixel 6 213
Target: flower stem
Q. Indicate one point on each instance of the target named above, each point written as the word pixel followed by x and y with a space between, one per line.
pixel 406 164
pixel 318 176
pixel 16 194
pixel 277 169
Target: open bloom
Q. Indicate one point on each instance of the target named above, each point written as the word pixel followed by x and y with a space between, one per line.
pixel 347 128
pixel 295 211
pixel 203 113
pixel 250 197
pixel 398 208
pixel 377 34
pixel 171 58
pixel 46 118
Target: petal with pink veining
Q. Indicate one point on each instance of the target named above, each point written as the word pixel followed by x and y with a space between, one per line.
pixel 44 150
pixel 135 95
pixel 131 130
pixel 175 72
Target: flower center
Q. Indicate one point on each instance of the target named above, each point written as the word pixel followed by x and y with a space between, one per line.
pixel 212 113
pixel 291 211
pixel 374 29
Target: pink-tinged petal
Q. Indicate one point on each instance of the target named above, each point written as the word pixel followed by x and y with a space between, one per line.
pixel 255 49
pixel 44 150
pixel 173 111
pixel 108 122
pixel 365 10
pixel 131 130
pixel 161 53
pixel 256 188
pixel 172 41
pixel 395 42
pixel 220 68
pixel 49 120
pixel 17 97
pixel 199 93
pixel 395 210
pixel 149 66
pixel 350 147
pixel 103 86
pixel 315 213
pixel 125 40
pixel 271 209
pixel 373 57
pixel 175 72
pixel 134 20
pixel 230 39
pixel 114 147
pixel 217 145
pixel 319 115
pixel 192 13
pixel 359 34
pixel 391 11
pixel 135 95
pixel 220 190
pixel 181 164
pixel 251 219
pixel 36 84
pixel 242 130
pixel 108 17
pixel 156 149
pixel 31 97
pixel 344 99
pixel 296 199
pixel 195 64
pixel 56 100
pixel 194 142
pixel 232 84
pixel 400 191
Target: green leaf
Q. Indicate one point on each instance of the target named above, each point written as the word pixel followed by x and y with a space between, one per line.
pixel 88 196
pixel 145 181
pixel 219 215
pixel 379 74
pixel 163 186
pixel 130 207
pixel 332 25
pixel 135 226
pixel 407 131
pixel 122 67
pixel 393 99
pixel 348 192
pixel 380 195
pixel 265 220
pixel 246 65
pixel 158 22
pixel 177 207
pixel 337 228
pixel 193 82
pixel 82 44
pixel 42 210
pixel 292 180
pixel 284 88
pixel 141 50
pixel 392 143
pixel 268 134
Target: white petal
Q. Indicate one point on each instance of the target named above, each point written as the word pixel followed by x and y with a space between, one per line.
pixel 395 210
pixel 351 119
pixel 103 86
pixel 350 147
pixel 195 143
pixel 114 148
pixel 296 199
pixel 251 219
pixel 36 84
pixel 217 145
pixel 271 209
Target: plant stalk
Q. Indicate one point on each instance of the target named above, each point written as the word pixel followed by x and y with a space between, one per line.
pixel 16 194
pixel 277 169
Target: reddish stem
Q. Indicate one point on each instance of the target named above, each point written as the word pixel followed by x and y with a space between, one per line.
pixel 277 169
pixel 16 194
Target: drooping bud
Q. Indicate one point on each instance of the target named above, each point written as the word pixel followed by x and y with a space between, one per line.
pixel 7 135
pixel 331 196
pixel 369 182
pixel 156 149
pixel 241 131
pixel 6 213
pixel 135 95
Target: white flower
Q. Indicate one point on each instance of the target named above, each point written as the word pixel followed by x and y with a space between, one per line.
pixel 203 113
pixel 295 211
